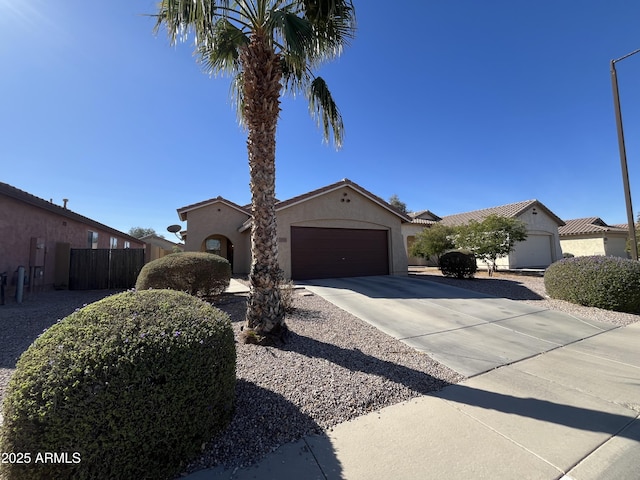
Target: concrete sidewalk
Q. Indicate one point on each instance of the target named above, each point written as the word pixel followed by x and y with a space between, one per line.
pixel 568 410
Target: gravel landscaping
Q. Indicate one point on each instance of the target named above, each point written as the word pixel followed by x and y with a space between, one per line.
pixel 333 368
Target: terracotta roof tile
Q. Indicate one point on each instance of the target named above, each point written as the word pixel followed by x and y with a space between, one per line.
pixel 511 210
pixel 424 215
pixel 182 212
pixel 422 221
pixel 580 226
pixel 340 184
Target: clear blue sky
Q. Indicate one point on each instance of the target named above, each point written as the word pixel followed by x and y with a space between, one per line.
pixel 452 105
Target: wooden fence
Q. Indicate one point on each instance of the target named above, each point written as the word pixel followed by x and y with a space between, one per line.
pixel 97 269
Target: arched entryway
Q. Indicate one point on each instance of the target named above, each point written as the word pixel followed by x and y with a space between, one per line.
pixel 218 245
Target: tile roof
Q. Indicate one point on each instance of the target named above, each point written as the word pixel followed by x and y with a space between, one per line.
pixel 280 205
pixel 329 188
pixel 334 186
pixel 422 221
pixel 22 196
pixel 424 215
pixel 511 210
pixel 161 242
pixel 182 212
pixel 580 226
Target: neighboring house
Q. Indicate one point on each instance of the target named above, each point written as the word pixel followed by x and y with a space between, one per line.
pixel 157 247
pixel 592 236
pixel 340 230
pixel 38 235
pixel 539 250
pixel 419 221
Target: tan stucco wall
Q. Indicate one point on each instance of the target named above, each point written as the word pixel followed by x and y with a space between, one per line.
pixel 342 208
pixel 616 245
pixel 580 247
pixel 220 219
pixel 409 231
pixel 539 224
pixel 585 245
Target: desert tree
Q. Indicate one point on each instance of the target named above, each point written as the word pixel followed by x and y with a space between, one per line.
pixel 433 242
pixel 493 237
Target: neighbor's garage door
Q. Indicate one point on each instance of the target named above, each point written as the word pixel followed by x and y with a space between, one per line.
pixel 338 252
pixel 535 252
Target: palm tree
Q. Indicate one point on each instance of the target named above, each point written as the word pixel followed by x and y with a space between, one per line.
pixel 269 47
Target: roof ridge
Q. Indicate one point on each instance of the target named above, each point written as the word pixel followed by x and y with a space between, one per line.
pixel 24 196
pixel 498 207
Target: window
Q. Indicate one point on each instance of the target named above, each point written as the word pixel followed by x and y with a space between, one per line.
pixel 113 243
pixel 92 240
pixel 127 244
pixel 212 245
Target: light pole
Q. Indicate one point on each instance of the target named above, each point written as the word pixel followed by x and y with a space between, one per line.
pixel 623 155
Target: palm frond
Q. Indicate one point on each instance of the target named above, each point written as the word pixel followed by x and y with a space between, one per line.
pixel 334 25
pixel 303 33
pixel 237 95
pixel 296 77
pixel 325 111
pixel 180 17
pixel 221 52
pixel 296 32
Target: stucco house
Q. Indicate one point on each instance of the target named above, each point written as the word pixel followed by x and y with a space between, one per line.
pixel 419 221
pixel 539 250
pixel 339 230
pixel 38 234
pixel 592 236
pixel 157 247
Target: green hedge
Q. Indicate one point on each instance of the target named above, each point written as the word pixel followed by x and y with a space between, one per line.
pixel 131 386
pixel 611 283
pixel 196 273
pixel 458 264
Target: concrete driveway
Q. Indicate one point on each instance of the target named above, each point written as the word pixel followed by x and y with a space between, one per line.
pixel 469 332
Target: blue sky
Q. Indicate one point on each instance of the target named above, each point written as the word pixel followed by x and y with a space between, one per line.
pixel 452 105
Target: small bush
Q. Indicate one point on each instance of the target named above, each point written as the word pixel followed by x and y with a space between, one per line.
pixel 458 264
pixel 611 283
pixel 196 273
pixel 130 386
pixel 287 296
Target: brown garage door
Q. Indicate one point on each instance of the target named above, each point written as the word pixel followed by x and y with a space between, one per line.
pixel 338 252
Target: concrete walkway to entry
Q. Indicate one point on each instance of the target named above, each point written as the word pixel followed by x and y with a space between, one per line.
pixel 550 396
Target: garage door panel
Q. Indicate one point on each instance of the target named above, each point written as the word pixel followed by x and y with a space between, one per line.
pixel 535 252
pixel 338 252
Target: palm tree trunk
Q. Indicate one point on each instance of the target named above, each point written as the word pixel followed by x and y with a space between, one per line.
pixel 262 74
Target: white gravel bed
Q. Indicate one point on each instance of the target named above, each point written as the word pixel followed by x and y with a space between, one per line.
pixel 334 367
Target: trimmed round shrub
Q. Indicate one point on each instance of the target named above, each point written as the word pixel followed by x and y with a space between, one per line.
pixel 611 283
pixel 130 386
pixel 458 264
pixel 196 273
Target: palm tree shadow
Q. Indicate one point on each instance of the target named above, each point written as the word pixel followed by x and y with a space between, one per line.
pixel 538 409
pixel 356 360
pixel 249 438
pixel 572 416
